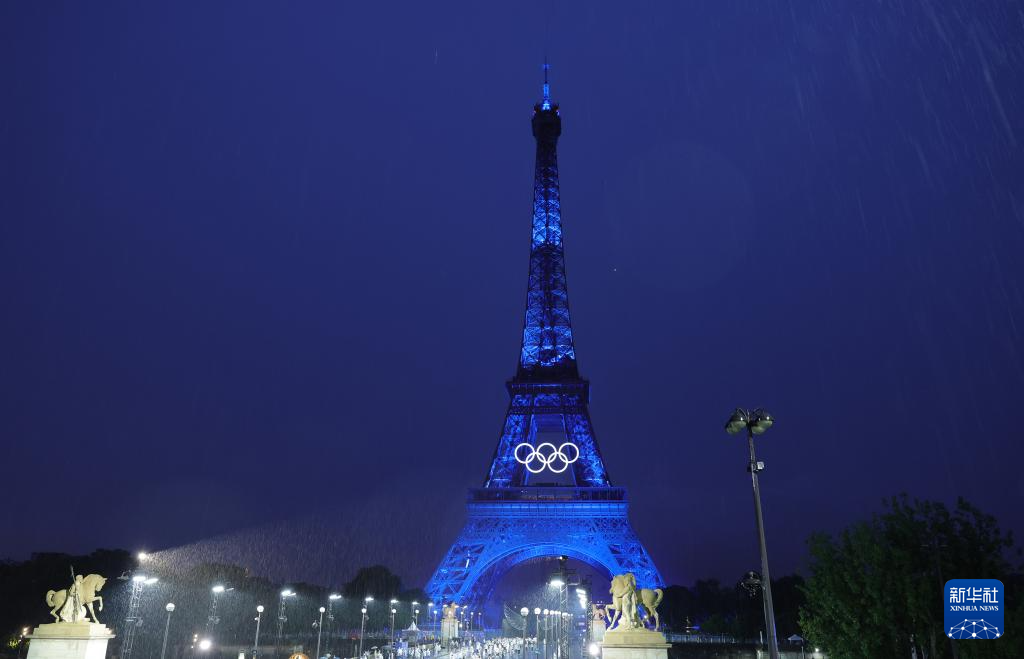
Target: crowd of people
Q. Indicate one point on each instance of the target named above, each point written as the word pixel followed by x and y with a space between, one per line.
pixel 494 648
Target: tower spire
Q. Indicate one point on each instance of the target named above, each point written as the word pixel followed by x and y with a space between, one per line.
pixel 547 353
pixel 546 103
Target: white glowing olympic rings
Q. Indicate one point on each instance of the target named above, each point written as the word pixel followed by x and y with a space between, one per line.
pixel 544 455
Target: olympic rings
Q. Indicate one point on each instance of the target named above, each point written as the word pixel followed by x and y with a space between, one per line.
pixel 538 459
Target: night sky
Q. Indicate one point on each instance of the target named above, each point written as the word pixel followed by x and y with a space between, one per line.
pixel 263 266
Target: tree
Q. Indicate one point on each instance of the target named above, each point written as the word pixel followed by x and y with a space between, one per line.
pixel 376 581
pixel 876 589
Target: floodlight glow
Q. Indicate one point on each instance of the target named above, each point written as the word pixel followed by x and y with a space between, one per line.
pixel 322 609
pixel 368 598
pixel 142 556
pixel 536 611
pixel 205 644
pixel 594 649
pixel 218 589
pixel 524 611
pixel 556 583
pixel 138 577
pixel 287 593
pixel 364 609
pixel 169 607
pixel 259 609
pixel 394 601
pixel 152 580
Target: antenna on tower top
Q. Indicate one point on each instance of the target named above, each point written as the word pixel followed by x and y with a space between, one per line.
pixel 546 104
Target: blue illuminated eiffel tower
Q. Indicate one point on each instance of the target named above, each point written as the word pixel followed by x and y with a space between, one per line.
pixel 547 492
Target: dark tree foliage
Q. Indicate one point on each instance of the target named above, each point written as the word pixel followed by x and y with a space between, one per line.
pixel 876 590
pixel 376 581
pixel 732 610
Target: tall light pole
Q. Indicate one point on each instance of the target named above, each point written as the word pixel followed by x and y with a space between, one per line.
pixel 547 626
pixel 393 612
pixel 133 620
pixel 167 627
pixel 415 613
pixel 319 630
pixel 256 642
pixel 213 619
pixel 536 615
pixel 331 599
pixel 362 621
pixel 524 612
pixel 756 422
pixel 281 617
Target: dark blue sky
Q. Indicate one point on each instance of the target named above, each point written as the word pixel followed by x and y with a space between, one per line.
pixel 266 262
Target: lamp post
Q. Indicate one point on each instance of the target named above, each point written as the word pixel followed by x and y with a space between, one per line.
pixel 524 612
pixel 133 620
pixel 547 626
pixel 331 599
pixel 756 422
pixel 256 641
pixel 393 612
pixel 213 619
pixel 319 630
pixel 362 621
pixel 536 615
pixel 281 617
pixel 167 627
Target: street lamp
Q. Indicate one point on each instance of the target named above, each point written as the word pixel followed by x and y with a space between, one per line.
pixel 393 612
pixel 213 620
pixel 319 629
pixel 256 643
pixel 430 605
pixel 167 627
pixel 331 599
pixel 756 422
pixel 524 612
pixel 362 626
pixel 281 617
pixel 416 613
pixel 133 620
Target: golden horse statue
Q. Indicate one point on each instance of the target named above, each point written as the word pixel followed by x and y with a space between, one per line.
pixel 86 587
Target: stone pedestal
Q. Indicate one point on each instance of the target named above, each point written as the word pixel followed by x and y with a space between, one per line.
pixel 597 629
pixel 449 629
pixel 634 644
pixel 69 640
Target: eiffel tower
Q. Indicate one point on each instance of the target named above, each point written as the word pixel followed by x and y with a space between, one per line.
pixel 547 492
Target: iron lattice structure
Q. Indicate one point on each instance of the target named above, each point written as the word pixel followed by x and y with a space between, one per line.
pixel 523 513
